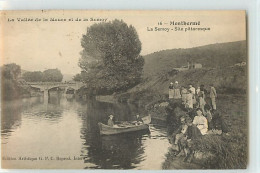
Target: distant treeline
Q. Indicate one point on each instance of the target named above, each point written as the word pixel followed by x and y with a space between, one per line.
pixel 13 83
pixel 50 75
pixel 10 83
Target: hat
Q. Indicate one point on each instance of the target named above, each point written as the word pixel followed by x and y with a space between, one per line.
pixel 176 82
pixel 111 116
pixel 199 109
pixel 171 83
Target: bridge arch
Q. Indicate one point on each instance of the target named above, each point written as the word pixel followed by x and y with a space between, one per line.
pixel 46 86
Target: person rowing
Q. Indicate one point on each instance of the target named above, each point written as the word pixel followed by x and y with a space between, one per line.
pixel 110 121
pixel 138 118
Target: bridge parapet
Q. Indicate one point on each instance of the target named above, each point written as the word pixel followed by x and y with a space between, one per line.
pixel 49 85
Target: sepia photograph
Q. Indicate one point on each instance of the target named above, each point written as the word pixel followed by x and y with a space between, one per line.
pixel 131 90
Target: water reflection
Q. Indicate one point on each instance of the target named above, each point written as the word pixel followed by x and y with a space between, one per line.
pixel 55 97
pixel 69 128
pixel 31 108
pixel 108 152
pixel 125 151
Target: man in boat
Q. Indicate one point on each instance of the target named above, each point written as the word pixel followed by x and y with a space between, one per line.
pixel 138 118
pixel 110 121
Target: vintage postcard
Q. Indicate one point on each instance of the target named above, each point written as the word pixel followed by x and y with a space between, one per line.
pixel 145 90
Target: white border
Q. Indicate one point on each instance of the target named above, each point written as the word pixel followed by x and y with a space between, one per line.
pixel 253 37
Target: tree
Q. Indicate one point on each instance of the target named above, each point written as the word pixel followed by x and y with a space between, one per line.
pixel 52 75
pixel 111 59
pixel 35 76
pixel 11 71
pixel 9 82
pixel 77 77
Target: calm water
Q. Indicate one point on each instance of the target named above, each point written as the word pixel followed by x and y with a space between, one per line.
pixel 43 135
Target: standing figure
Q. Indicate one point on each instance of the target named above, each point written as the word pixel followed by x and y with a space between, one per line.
pixel 198 90
pixel 196 96
pixel 184 93
pixel 193 92
pixel 171 91
pixel 189 100
pixel 110 121
pixel 201 122
pixel 213 96
pixel 201 97
pixel 177 92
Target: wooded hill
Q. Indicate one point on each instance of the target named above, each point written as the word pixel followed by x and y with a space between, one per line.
pixel 218 68
pixel 210 56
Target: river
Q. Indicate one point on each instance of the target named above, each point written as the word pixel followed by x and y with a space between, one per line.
pixel 64 134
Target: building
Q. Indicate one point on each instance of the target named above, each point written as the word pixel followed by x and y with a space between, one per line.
pixel 194 65
pixel 241 64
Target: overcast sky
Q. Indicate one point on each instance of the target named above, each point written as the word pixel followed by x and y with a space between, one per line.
pixel 43 45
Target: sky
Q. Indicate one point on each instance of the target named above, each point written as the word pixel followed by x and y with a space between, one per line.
pixel 40 45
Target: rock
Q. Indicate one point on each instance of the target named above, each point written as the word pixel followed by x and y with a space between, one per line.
pixel 163 104
pixel 203 156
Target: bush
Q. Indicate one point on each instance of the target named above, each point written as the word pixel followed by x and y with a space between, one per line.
pixel 230 151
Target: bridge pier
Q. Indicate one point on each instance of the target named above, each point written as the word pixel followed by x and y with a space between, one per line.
pixel 46 86
pixel 46 96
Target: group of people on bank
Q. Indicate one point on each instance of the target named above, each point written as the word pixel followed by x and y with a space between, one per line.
pixel 191 97
pixel 201 118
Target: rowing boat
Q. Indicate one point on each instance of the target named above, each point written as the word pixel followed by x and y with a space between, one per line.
pixel 124 128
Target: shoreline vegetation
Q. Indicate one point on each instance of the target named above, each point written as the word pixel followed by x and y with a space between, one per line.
pixel 220 64
pixel 114 71
pixel 211 151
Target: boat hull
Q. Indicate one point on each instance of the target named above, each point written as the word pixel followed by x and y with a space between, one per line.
pixel 107 130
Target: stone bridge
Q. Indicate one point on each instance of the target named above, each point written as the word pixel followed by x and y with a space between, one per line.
pixel 46 86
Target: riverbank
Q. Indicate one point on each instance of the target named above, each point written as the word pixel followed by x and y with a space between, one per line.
pixel 151 96
pixel 230 151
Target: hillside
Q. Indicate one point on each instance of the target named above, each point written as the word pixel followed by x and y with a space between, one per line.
pixel 210 56
pixel 217 68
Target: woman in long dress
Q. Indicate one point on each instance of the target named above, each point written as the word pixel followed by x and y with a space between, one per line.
pixel 202 101
pixel 189 100
pixel 201 122
pixel 177 92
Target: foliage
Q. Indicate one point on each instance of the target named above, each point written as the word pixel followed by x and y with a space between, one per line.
pixel 9 83
pixel 52 75
pixel 226 151
pixel 77 77
pixel 210 56
pixel 35 76
pixel 110 59
pixel 230 151
pixel 11 71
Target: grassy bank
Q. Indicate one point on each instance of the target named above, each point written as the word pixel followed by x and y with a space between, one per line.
pixel 220 151
pixel 225 151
